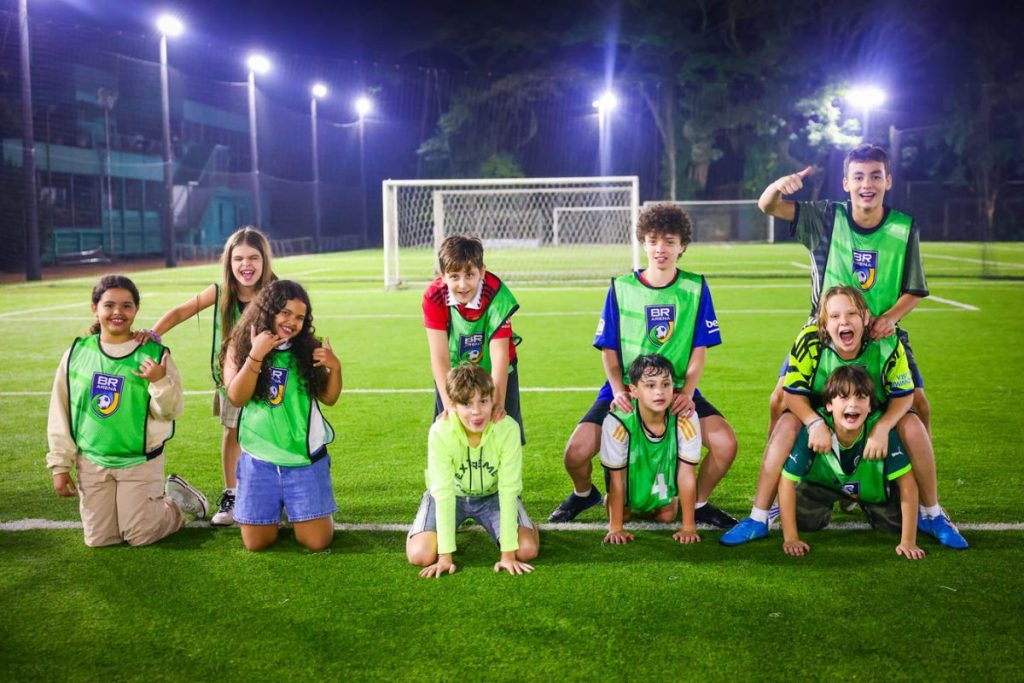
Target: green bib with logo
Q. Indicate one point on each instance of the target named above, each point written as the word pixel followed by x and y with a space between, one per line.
pixel 657 320
pixel 470 340
pixel 866 482
pixel 651 473
pixel 107 404
pixel 276 429
pixel 871 262
pixel 873 357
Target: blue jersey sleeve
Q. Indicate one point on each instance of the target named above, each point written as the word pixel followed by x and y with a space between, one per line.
pixel 706 332
pixel 607 335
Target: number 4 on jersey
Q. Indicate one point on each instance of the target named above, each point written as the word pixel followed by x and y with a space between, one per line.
pixel 660 488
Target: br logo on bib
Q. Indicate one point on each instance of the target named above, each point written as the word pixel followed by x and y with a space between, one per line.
pixel 471 347
pixel 106 393
pixel 852 489
pixel 661 322
pixel 278 381
pixel 865 265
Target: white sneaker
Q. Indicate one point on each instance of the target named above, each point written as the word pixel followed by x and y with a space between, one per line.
pixel 189 498
pixel 225 515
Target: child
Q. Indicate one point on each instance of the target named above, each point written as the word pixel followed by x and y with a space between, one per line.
pixel 840 338
pixel 852 468
pixel 649 454
pixel 112 409
pixel 662 310
pixel 474 469
pixel 276 371
pixel 467 312
pixel 246 270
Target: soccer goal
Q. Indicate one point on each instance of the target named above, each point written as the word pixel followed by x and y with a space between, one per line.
pixel 533 229
pixel 736 220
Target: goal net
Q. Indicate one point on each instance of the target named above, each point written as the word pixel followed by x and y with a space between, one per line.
pixel 737 220
pixel 540 229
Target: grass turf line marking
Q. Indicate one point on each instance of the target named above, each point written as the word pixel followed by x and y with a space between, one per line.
pixel 33 524
pixel 8 314
pixel 413 390
pixel 996 264
pixel 966 307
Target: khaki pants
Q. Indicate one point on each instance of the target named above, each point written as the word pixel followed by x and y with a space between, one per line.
pixel 125 504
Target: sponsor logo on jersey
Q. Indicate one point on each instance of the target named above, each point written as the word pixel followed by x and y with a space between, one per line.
pixel 865 266
pixel 471 347
pixel 600 329
pixel 278 382
pixel 661 322
pixel 852 489
pixel 106 393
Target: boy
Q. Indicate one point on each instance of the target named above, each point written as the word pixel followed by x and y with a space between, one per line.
pixel 811 482
pixel 649 454
pixel 865 244
pixel 669 312
pixel 467 312
pixel 474 469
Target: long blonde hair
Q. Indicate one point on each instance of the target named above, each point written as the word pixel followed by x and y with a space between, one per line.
pixel 250 237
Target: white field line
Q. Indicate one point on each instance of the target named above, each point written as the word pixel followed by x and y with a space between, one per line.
pixel 966 307
pixel 413 390
pixel 77 304
pixel 997 264
pixel 801 266
pixel 49 524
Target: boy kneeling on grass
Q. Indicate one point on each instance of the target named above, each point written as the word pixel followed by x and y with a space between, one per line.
pixel 879 481
pixel 474 469
pixel 649 454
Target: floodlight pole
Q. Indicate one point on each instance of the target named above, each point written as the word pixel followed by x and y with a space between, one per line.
pixel 170 260
pixel 362 180
pixel 316 177
pixel 253 153
pixel 33 268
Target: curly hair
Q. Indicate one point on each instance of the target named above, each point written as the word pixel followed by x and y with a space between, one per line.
pixel 651 365
pixel 260 314
pixel 112 282
pixel 664 219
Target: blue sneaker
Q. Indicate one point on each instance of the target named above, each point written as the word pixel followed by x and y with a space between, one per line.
pixel 941 528
pixel 572 506
pixel 748 529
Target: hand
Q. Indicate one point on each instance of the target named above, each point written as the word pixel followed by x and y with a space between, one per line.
pixel 883 326
pixel 444 565
pixel 791 184
pixel 819 437
pixel 910 551
pixel 262 343
pixel 324 357
pixel 795 548
pixel 511 565
pixel 618 537
pixel 875 448
pixel 142 336
pixel 686 536
pixel 152 372
pixel 64 485
pixel 623 401
pixel 498 413
pixel 682 404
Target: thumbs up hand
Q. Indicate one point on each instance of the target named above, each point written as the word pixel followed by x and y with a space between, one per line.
pixel 791 184
pixel 324 357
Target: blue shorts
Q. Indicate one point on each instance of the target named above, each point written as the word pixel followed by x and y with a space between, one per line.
pixel 264 488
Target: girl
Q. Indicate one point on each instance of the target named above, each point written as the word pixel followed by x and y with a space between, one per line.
pixel 276 371
pixel 246 267
pixel 112 409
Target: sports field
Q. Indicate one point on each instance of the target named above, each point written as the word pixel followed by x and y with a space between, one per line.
pixel 198 607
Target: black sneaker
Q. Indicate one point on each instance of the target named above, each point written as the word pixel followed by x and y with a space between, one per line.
pixel 712 516
pixel 572 506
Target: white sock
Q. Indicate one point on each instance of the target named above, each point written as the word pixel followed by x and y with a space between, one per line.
pixel 698 506
pixel 759 514
pixel 931 511
pixel 230 490
pixel 584 494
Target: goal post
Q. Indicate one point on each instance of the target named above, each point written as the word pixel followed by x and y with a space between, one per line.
pixel 540 229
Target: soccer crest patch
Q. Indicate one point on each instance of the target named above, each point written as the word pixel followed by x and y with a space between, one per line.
pixel 471 347
pixel 852 489
pixel 661 322
pixel 278 382
pixel 106 393
pixel 865 266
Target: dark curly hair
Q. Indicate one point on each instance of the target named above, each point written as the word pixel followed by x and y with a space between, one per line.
pixel 664 219
pixel 112 282
pixel 260 313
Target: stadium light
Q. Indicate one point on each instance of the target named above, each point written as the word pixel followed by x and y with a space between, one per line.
pixel 363 106
pixel 170 25
pixel 866 98
pixel 257 63
pixel 319 90
pixel 607 102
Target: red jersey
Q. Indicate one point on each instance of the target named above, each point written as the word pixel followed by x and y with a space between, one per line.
pixel 436 315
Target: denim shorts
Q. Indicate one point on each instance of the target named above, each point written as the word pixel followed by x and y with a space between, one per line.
pixel 264 488
pixel 486 510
